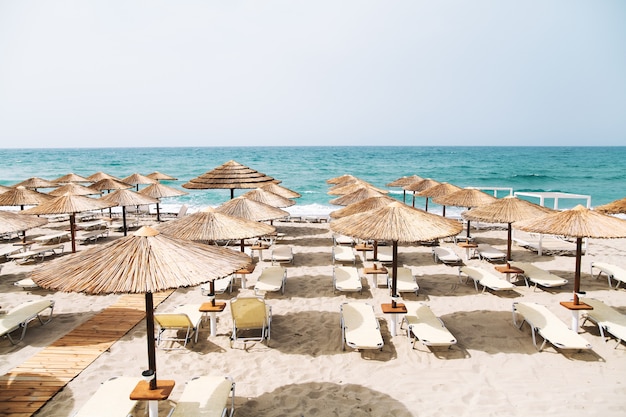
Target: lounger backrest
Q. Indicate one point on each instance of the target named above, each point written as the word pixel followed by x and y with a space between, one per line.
pixel 23 313
pixel 203 396
pixel 604 313
pixel 249 312
pixel 343 274
pixel 172 320
pixel 111 399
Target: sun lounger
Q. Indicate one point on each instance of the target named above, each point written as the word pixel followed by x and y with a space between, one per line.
pixel 550 327
pixel 446 256
pixel 607 318
pixel 423 325
pixel 95 224
pixel 383 254
pixel 20 316
pixel 220 286
pixel 26 283
pixel 52 238
pixel 36 253
pixel 282 254
pixel 612 272
pixel 92 236
pixel 111 399
pixel 490 253
pixel 342 240
pixel 343 254
pixel 485 278
pixel 11 250
pixel 206 396
pixel 405 281
pixel 271 279
pixel 359 327
pixel 539 276
pixel 185 317
pixel 249 314
pixel 346 278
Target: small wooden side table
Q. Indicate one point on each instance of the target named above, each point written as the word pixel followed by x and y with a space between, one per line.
pixel 142 392
pixel 389 309
pixel 375 271
pixel 467 246
pixel 508 270
pixel 245 271
pixel 212 311
pixel 575 309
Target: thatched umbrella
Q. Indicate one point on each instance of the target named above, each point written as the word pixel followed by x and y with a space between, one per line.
pixel 136 179
pixel 159 176
pixel 18 222
pixel 20 196
pixel 269 198
pixel 466 197
pixel 396 222
pixel 438 190
pixel 229 176
pixel 404 181
pixel 614 207
pixel 69 204
pixel 507 210
pixel 108 184
pixel 99 176
pixel 421 186
pixel 347 188
pixel 361 206
pixel 280 190
pixel 75 189
pixel 340 179
pixel 3 189
pixel 33 183
pixel 71 177
pixel 124 198
pixel 579 222
pixel 355 196
pixel 144 262
pixel 251 210
pixel 160 191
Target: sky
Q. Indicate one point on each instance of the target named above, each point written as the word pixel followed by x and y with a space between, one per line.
pixel 91 73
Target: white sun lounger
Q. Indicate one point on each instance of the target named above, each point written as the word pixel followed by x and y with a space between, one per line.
pixel 607 318
pixel 485 278
pixel 490 253
pixel 342 240
pixel 539 276
pixel 383 254
pixel 52 238
pixel 112 399
pixel 446 256
pixel 550 327
pixel 271 279
pixel 343 254
pixel 220 286
pixel 405 281
pixel 612 272
pixel 21 315
pixel 423 325
pixel 282 254
pixel 206 396
pixel 346 278
pixel 359 327
pixel 36 253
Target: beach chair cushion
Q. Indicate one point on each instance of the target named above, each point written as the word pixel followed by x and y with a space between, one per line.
pixel 405 282
pixel 549 327
pixel 360 328
pixel 185 317
pixel 346 278
pixel 250 313
pixel 343 254
pixel 613 272
pixel 112 399
pixel 490 253
pixel 606 318
pixel 282 254
pixel 445 255
pixel 539 276
pixel 272 279
pixel 206 396
pixel 486 279
pixel 21 315
pixel 423 325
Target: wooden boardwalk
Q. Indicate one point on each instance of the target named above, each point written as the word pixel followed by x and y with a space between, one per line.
pixel 26 388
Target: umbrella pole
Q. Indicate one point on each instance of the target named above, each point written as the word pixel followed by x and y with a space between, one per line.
pixel 426 204
pixel 579 244
pixel 73 231
pixel 508 244
pixel 444 211
pixel 243 246
pixel 394 274
pixel 158 213
pixel 212 292
pixel 404 196
pixel 232 193
pixel 413 198
pixel 124 219
pixel 150 335
pixel 375 251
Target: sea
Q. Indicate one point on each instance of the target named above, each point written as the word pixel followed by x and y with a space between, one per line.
pixel 596 171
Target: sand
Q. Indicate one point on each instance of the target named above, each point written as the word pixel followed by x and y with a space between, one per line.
pixel 494 370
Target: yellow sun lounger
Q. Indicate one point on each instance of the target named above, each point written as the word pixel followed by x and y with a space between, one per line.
pixel 206 396
pixel 250 313
pixel 112 399
pixel 607 318
pixel 612 272
pixel 185 317
pixel 20 316
pixel 423 325
pixel 346 278
pixel 359 327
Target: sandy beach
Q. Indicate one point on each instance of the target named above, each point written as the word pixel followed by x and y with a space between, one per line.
pixel 494 370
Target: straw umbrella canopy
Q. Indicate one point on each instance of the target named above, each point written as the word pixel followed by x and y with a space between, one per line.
pixel 579 222
pixel 99 176
pixel 108 184
pixel 144 262
pixel 438 190
pixel 396 222
pixel 69 204
pixel 18 222
pixel 158 176
pixel 136 179
pixel 269 198
pixel 229 176
pixel 507 210
pixel 20 196
pixel 280 190
pixel 404 181
pixel 355 196
pixel 35 182
pixel 343 189
pixel 251 210
pixel 614 207
pixel 3 189
pixel 71 177
pixel 421 186
pixel 123 198
pixel 75 189
pixel 160 191
pixel 466 197
pixel 340 179
pixel 360 206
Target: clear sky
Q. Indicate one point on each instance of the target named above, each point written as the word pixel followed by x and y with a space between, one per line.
pixel 326 72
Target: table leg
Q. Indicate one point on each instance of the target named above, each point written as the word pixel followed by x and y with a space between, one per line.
pixel 213 321
pixel 394 323
pixel 575 320
pixel 153 408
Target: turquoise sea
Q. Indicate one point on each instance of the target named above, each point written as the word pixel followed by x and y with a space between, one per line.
pixel 596 171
